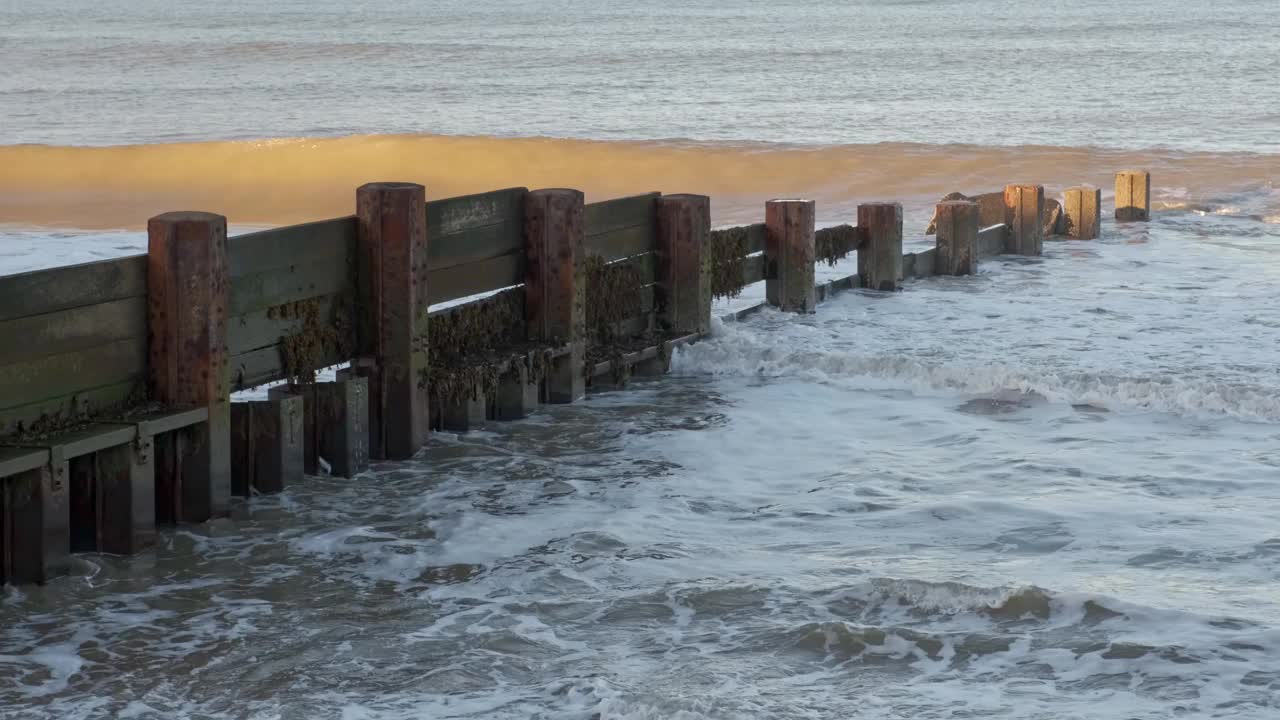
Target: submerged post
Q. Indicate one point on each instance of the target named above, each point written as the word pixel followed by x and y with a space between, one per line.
pixel 683 281
pixel 789 253
pixel 393 314
pixel 880 250
pixel 1133 195
pixel 957 242
pixel 1083 207
pixel 1023 210
pixel 187 294
pixel 554 309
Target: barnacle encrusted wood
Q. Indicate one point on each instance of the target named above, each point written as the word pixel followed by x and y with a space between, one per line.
pixel 834 243
pixel 306 351
pixel 728 248
pixel 613 295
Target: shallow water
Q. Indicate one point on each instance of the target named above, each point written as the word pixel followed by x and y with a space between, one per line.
pixel 1045 491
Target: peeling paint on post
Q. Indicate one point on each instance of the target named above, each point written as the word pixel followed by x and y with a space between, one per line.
pixel 1133 195
pixel 555 312
pixel 789 253
pixel 957 242
pixel 187 293
pixel 1023 213
pixel 683 281
pixel 393 320
pixel 1083 208
pixel 880 252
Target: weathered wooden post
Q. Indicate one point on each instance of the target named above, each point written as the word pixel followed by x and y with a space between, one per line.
pixel 1133 195
pixel 683 279
pixel 35 536
pixel 957 242
pixel 267 441
pixel 341 414
pixel 789 253
pixel 1083 206
pixel 187 292
pixel 554 309
pixel 393 314
pixel 1023 213
pixel 517 393
pixel 880 250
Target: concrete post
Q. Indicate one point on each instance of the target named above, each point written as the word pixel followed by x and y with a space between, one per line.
pixel 554 309
pixel 957 242
pixel 880 252
pixel 789 254
pixel 683 282
pixel 1083 207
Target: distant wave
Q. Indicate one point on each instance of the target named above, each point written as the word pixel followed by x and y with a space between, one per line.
pixel 295 179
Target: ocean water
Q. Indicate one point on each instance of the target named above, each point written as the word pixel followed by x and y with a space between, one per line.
pixel 1047 491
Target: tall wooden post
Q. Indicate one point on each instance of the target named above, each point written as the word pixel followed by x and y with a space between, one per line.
pixel 554 309
pixel 393 314
pixel 1023 213
pixel 789 253
pixel 880 250
pixel 957 243
pixel 1083 207
pixel 1133 195
pixel 187 291
pixel 683 282
pixel 35 534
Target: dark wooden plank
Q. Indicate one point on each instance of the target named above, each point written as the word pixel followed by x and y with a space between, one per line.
pixel 456 214
pixel 70 405
pixel 324 240
pixel 752 269
pixel 474 244
pixel 620 213
pixel 278 286
pixel 261 328
pixel 78 328
pixel 924 263
pixel 646 266
pixel 264 365
pixel 45 291
pixel 31 381
pixel 618 244
pixel 458 282
pixel 755 238
pixel 991 240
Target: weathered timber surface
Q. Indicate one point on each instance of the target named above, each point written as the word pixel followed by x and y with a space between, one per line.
pixel 264 328
pixel 554 288
pixel 66 331
pixel 990 208
pixel 278 286
pixel 485 276
pixel 789 252
pixel 45 291
pixel 684 263
pixel 31 381
pixel 753 269
pixel 918 264
pixel 880 258
pixel 35 546
pixel 608 216
pixel 263 365
pixel 1052 222
pixel 469 212
pixel 1083 212
pixel 957 242
pixel 324 241
pixel 1024 214
pixel 341 424
pixel 1133 195
pixel 394 290
pixel 992 240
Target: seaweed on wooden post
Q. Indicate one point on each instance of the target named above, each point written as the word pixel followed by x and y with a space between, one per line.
pixel 880 252
pixel 1023 213
pixel 789 253
pixel 1133 195
pixel 393 314
pixel 1083 208
pixel 957 240
pixel 683 280
pixel 187 294
pixel 555 311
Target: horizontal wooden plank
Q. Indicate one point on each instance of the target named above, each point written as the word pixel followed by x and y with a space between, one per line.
pixel 474 244
pixel 69 405
pixel 74 329
pixel 618 244
pixel 752 269
pixel 31 381
pixel 19 460
pixel 924 263
pixel 755 238
pixel 313 242
pixel 485 276
pixel 261 328
pixel 45 291
pixel 277 286
pixel 991 240
pixel 264 365
pixel 646 266
pixel 608 216
pixel 456 214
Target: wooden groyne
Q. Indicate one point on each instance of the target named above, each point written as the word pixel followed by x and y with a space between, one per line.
pixel 116 377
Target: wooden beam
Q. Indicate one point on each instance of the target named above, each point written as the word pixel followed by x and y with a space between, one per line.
pixel 554 310
pixel 789 252
pixel 684 263
pixel 1133 195
pixel 1023 212
pixel 393 327
pixel 1083 208
pixel 880 254
pixel 957 241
